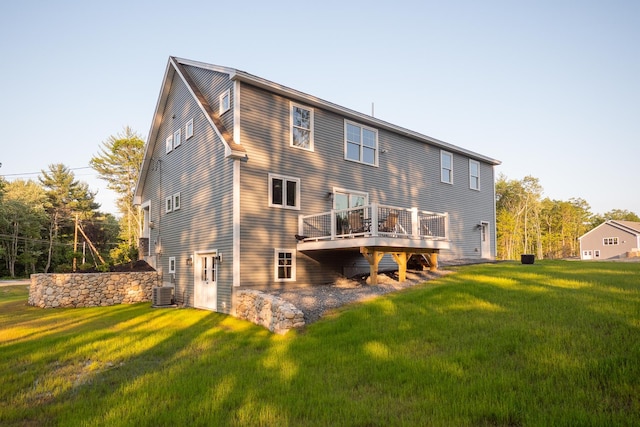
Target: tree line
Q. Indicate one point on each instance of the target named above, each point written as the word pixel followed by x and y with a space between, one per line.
pixel 527 223
pixel 53 223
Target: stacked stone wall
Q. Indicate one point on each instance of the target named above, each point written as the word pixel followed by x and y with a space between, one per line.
pixel 273 313
pixel 91 289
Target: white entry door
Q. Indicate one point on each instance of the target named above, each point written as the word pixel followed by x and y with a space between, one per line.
pixel 205 281
pixel 485 240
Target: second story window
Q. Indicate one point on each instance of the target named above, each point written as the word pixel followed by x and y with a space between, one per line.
pixel 610 241
pixel 301 127
pixel 284 192
pixel 474 175
pixel 361 144
pixel 446 167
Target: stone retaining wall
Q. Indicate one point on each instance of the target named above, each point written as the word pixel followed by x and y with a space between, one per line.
pixel 90 289
pixel 273 313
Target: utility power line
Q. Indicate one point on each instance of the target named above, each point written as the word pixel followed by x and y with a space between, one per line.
pixel 39 172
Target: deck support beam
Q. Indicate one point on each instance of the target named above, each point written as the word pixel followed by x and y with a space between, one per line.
pixel 401 259
pixel 373 255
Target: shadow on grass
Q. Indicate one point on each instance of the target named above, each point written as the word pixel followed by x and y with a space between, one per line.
pixel 490 345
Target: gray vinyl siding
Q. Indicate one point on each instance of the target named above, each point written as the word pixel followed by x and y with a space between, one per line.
pixel 408 175
pixel 198 170
pixel 212 85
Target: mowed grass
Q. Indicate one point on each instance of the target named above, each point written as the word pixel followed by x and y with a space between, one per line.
pixel 554 343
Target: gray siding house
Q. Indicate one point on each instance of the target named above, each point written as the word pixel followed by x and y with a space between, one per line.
pixel 611 239
pixel 248 183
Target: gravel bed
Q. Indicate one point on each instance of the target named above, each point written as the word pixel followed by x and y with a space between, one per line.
pixel 315 301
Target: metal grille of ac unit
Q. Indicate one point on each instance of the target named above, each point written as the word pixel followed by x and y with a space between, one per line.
pixel 162 296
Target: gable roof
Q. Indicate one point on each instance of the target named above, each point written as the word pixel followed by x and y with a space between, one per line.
pixel 175 66
pixel 630 227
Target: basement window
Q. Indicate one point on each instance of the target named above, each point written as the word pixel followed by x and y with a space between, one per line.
pixel 285 265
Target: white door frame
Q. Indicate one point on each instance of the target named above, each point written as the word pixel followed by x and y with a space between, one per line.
pixel 204 296
pixel 485 240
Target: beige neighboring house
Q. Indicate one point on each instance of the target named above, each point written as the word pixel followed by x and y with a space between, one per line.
pixel 611 239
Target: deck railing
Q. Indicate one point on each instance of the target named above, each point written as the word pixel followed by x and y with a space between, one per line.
pixel 371 221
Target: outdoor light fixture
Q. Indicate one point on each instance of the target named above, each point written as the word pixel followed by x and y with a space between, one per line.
pixel 190 260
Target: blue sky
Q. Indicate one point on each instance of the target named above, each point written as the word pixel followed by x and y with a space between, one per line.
pixel 550 88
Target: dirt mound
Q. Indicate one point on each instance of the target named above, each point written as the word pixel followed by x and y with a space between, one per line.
pixel 130 267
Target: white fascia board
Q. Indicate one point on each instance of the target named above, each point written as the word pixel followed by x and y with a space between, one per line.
pixel 155 125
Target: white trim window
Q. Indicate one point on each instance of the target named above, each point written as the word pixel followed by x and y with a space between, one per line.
pixel 225 101
pixel 176 201
pixel 360 143
pixel 446 167
pixel 474 174
pixel 168 144
pixel 188 130
pixel 284 265
pixel 608 241
pixel 177 138
pixel 168 204
pixel 301 127
pixel 284 192
pixel 172 264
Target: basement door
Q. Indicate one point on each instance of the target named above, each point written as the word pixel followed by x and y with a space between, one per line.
pixel 205 281
pixel 485 240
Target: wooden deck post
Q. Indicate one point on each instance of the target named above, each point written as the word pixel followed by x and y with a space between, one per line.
pixel 373 257
pixel 401 260
pixel 433 261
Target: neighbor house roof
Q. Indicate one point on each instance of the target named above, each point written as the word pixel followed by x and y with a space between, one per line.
pixel 630 227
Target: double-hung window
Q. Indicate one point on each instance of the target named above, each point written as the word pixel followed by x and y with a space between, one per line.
pixel 172 264
pixel 284 192
pixel 610 241
pixel 446 167
pixel 285 265
pixel 168 144
pixel 168 204
pixel 474 174
pixel 301 127
pixel 360 143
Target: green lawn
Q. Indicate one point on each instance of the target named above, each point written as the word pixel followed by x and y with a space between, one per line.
pixel 554 343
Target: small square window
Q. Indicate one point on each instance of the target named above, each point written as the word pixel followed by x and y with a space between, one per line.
pixel 168 144
pixel 176 201
pixel 177 138
pixel 188 129
pixel 172 264
pixel 225 101
pixel 446 167
pixel 168 204
pixel 285 265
